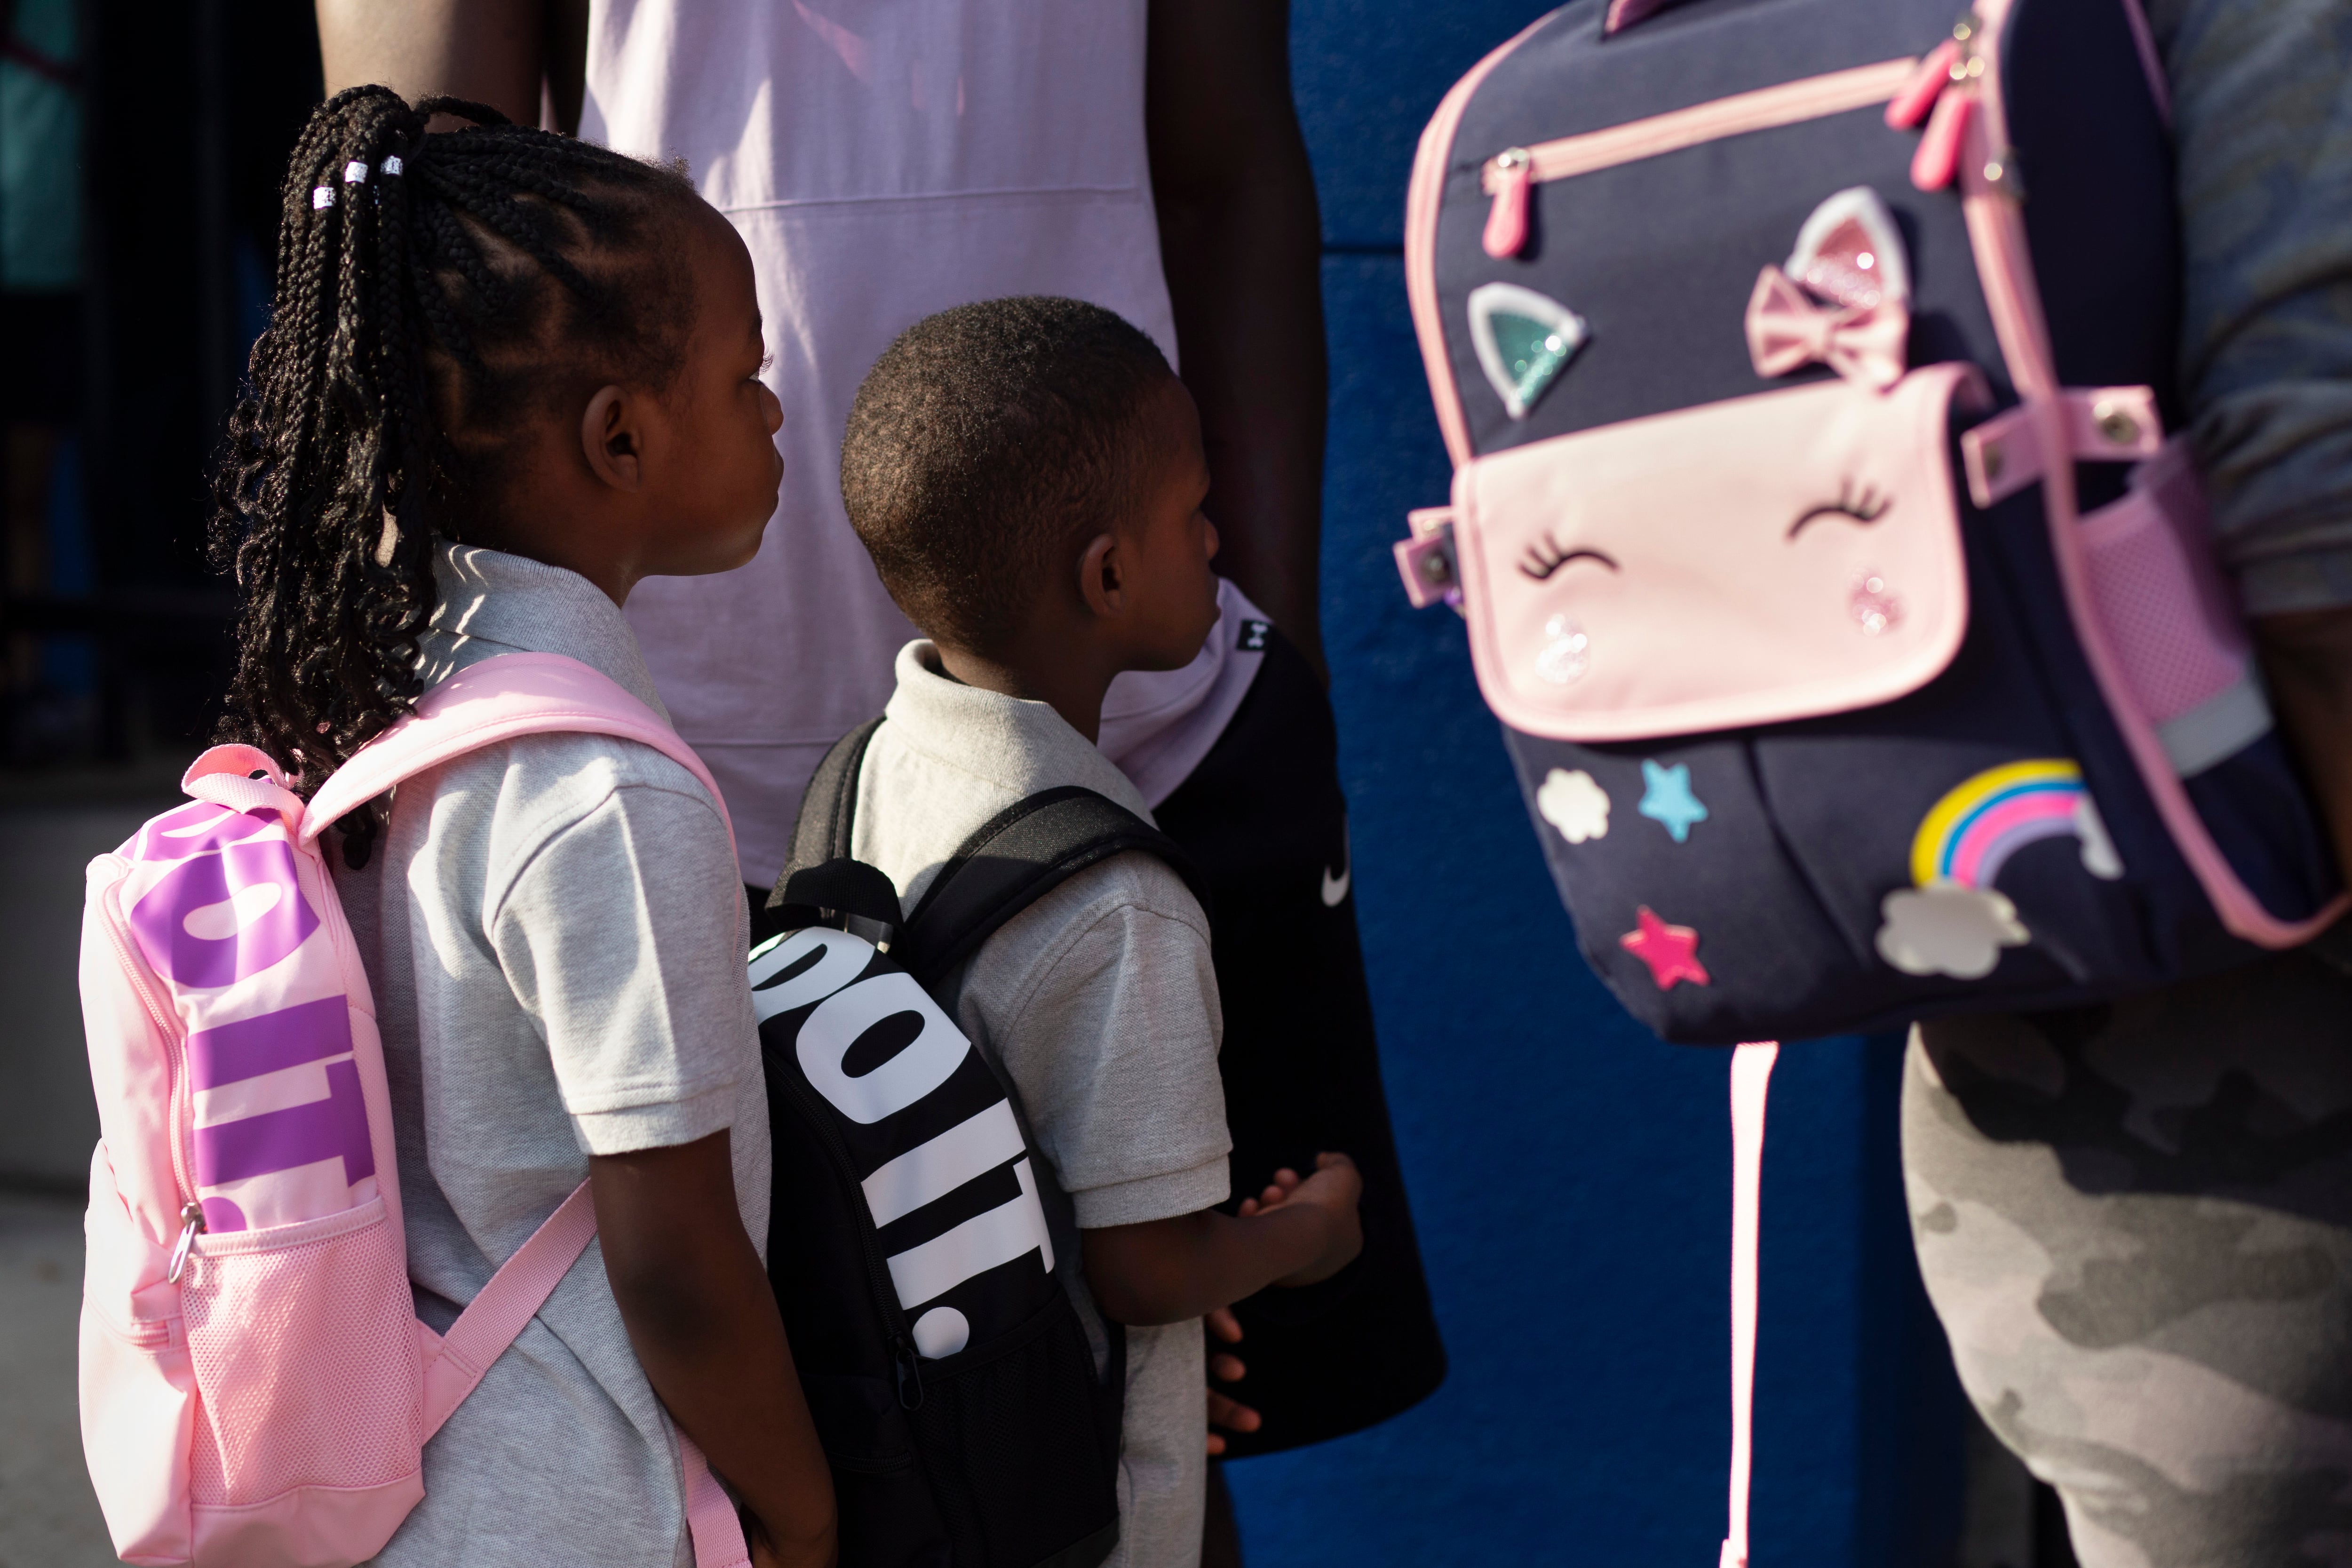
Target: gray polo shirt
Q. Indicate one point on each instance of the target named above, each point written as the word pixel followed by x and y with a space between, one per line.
pixel 555 932
pixel 1101 1002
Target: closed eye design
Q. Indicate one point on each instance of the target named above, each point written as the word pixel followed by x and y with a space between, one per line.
pixel 1543 559
pixel 1867 506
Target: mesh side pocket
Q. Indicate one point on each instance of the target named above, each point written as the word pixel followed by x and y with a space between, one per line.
pixel 1012 1434
pixel 2158 595
pixel 303 1340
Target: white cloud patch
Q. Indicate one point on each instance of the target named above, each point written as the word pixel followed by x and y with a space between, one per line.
pixel 1947 929
pixel 1572 803
pixel 2099 857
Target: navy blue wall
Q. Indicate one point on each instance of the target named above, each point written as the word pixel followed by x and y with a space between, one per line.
pixel 1571 1174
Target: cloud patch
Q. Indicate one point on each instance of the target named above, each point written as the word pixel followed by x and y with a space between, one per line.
pixel 1947 929
pixel 1572 803
pixel 2099 857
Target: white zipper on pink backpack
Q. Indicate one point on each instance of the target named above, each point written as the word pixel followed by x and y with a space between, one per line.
pixel 1508 174
pixel 167 1021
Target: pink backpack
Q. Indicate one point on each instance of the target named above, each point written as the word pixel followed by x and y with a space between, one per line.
pixel 255 1388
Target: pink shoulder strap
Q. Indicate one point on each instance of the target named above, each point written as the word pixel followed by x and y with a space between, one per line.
pixel 504 1306
pixel 1751 1075
pixel 502 697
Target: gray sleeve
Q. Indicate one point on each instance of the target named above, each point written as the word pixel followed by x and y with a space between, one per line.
pixel 1102 1002
pixel 2263 117
pixel 624 937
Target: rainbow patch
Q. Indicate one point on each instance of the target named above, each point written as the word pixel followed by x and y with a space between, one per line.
pixel 1971 833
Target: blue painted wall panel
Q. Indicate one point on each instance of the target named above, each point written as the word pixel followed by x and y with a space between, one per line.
pixel 1368 73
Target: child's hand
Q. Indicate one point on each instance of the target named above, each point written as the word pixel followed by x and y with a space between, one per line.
pixel 1277 1193
pixel 1225 1410
pixel 1334 1189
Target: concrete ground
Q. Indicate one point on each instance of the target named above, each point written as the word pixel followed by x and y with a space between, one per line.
pixel 49 1516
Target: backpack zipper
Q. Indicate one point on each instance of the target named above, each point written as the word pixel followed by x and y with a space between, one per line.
pixel 1949 88
pixel 180 1110
pixel 192 1224
pixel 878 1269
pixel 1509 175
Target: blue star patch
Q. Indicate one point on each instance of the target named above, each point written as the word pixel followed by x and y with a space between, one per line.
pixel 1667 800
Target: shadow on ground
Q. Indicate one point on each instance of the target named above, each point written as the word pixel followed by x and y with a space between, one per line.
pixel 49 1516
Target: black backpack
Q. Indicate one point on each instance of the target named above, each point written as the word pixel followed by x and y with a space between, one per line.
pixel 920 1244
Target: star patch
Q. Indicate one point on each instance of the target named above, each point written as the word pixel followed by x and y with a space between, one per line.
pixel 1670 951
pixel 1524 341
pixel 1667 800
pixel 1253 636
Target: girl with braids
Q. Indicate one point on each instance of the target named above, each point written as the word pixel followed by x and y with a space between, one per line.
pixel 509 375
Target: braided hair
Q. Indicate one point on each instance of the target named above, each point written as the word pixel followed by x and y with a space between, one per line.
pixel 434 292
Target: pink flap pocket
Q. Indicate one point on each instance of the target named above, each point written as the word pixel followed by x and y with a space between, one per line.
pixel 1750 561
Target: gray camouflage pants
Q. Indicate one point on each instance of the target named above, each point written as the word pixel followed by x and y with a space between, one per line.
pixel 2135 1222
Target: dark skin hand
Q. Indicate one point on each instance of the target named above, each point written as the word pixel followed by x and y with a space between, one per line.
pixel 1166 1271
pixel 1242 243
pixel 702 1319
pixel 2307 663
pixel 1225 1410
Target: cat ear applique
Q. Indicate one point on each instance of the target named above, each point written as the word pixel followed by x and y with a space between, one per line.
pixel 1524 341
pixel 1850 253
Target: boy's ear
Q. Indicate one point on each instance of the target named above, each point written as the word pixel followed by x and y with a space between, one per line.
pixel 612 438
pixel 1102 576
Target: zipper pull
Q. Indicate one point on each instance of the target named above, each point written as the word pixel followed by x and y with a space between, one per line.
pixel 1919 94
pixel 1507 224
pixel 1938 155
pixel 910 1375
pixel 191 1221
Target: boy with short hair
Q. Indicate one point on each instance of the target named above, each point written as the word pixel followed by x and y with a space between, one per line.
pixel 1027 475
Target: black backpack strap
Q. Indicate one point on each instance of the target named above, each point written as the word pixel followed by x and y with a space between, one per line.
pixel 821 831
pixel 1014 858
pixel 1008 863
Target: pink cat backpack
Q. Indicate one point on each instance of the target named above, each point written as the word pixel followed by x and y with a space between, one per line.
pixel 255 1388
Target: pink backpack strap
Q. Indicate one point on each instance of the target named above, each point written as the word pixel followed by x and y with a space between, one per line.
pixel 501 1309
pixel 498 700
pixel 1751 1075
pixel 504 1306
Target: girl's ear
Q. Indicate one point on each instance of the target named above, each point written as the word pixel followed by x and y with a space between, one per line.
pixel 1102 576
pixel 612 440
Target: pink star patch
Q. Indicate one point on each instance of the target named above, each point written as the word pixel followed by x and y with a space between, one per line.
pixel 1671 952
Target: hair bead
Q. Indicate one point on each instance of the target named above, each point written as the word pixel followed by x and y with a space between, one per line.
pixel 321 198
pixel 393 165
pixel 355 172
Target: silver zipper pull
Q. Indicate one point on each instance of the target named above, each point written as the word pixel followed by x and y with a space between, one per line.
pixel 191 1220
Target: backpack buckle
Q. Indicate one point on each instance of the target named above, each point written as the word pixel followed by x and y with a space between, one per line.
pixel 1426 560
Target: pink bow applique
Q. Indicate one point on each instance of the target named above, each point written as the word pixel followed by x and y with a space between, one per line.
pixel 1786 331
